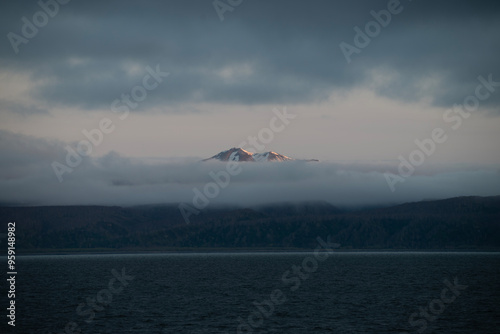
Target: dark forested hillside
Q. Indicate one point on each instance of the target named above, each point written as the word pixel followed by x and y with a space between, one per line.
pixel 457 223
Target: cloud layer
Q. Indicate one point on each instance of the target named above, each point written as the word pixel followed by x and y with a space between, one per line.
pixel 28 178
pixel 263 52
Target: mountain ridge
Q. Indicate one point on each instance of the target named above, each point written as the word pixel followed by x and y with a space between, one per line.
pixel 465 223
pixel 239 154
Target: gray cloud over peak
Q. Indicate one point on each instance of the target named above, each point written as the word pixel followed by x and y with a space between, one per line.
pixel 263 52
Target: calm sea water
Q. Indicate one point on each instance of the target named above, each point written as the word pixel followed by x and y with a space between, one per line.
pixel 259 293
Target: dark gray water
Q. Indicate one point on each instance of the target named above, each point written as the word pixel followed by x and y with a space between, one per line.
pixel 219 293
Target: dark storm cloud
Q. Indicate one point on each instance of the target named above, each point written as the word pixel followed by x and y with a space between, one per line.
pixel 263 51
pixel 27 177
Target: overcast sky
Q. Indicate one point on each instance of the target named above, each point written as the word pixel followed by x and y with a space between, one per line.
pixel 229 66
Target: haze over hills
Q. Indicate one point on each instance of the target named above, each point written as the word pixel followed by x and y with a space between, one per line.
pixel 456 223
pixel 239 154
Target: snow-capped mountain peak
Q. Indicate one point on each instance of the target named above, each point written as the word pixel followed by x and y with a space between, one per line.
pixel 233 154
pixel 270 156
pixel 239 154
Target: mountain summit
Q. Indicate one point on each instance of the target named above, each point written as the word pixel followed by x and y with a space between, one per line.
pixel 239 154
